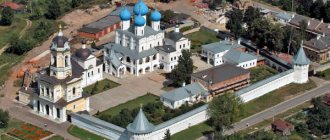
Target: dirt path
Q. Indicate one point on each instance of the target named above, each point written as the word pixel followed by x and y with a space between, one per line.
pixel 27 26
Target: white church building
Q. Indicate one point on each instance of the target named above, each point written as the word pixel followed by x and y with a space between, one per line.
pixel 138 48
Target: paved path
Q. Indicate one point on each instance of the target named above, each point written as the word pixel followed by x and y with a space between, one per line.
pixel 280 108
pixel 131 87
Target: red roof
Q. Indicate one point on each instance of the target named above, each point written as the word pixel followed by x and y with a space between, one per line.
pixel 12 5
pixel 282 125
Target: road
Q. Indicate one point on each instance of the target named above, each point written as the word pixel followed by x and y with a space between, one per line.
pixel 280 108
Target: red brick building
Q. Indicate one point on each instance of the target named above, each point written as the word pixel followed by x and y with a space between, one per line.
pixel 100 28
pixel 222 78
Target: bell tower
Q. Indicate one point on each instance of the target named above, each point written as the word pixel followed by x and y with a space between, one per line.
pixel 60 65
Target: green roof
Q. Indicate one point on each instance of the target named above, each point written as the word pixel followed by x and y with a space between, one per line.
pixel 301 58
pixel 140 125
pixel 220 46
pixel 184 92
pixel 238 57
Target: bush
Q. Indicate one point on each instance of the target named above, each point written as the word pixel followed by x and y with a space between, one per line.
pixel 19 46
pixel 7 16
pixel 4 118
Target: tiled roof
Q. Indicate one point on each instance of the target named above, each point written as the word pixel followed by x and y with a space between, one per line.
pixel 148 31
pixel 282 125
pixel 318 43
pixel 184 92
pixel 12 5
pixel 100 25
pixel 166 48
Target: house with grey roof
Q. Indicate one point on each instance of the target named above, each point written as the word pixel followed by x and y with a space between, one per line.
pixel 318 49
pixel 283 17
pixel 228 52
pixel 190 94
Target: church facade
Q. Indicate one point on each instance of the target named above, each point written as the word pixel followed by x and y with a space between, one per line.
pixel 139 48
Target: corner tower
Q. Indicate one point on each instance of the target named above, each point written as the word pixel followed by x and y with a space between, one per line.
pixel 140 128
pixel 60 65
pixel 300 67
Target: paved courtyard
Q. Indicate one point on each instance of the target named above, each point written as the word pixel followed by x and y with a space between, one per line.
pixel 131 87
pixel 200 64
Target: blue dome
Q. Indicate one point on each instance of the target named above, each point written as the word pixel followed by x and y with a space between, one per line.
pixel 140 7
pixel 125 14
pixel 139 20
pixel 155 15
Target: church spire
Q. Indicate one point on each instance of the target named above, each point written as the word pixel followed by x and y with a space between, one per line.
pixel 60 33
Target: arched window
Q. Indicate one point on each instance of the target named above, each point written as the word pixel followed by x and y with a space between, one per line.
pixel 154 57
pixel 147 59
pixel 47 91
pixel 128 59
pixel 74 91
pixel 66 61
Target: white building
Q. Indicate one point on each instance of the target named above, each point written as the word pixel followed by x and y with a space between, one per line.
pixel 228 52
pixel 93 68
pixel 190 94
pixel 170 52
pixel 135 49
pixel 284 17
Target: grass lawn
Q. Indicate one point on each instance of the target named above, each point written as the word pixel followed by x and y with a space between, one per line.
pixel 6 137
pixel 100 86
pixel 192 133
pixel 83 134
pixel 260 73
pixel 7 31
pixel 200 38
pixel 145 99
pixel 7 61
pixel 275 97
pixel 324 74
pixel 57 137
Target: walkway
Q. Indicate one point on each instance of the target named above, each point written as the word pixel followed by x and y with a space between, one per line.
pixel 131 87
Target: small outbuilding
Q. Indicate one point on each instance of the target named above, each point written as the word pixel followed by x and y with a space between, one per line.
pixel 282 126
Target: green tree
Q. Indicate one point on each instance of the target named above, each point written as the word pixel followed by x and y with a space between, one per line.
pixel 4 118
pixel 327 12
pixel 317 9
pixel 224 111
pixel 54 10
pixel 318 119
pixel 182 72
pixel 235 23
pixel 275 38
pixel 259 31
pixel 19 46
pixel 7 16
pixel 286 4
pixel 75 3
pixel 167 135
pixel 168 14
pixel 251 14
pixel 303 27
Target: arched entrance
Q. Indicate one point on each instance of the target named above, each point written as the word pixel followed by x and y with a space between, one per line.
pixel 47 109
pixel 147 69
pixel 161 66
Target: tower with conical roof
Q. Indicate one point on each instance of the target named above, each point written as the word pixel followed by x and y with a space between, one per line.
pixel 140 128
pixel 300 67
pixel 125 17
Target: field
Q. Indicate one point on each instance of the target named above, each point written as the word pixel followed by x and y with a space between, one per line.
pixel 6 32
pixel 200 38
pixel 100 86
pixel 260 73
pixel 193 132
pixel 83 134
pixel 324 74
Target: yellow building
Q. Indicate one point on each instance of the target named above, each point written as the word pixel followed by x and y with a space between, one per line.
pixel 59 89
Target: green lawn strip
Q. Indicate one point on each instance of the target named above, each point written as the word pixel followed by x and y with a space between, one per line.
pixel 275 97
pixel 7 31
pixel 324 74
pixel 192 133
pixel 279 116
pixel 7 137
pixel 200 38
pixel 56 137
pixel 260 73
pixel 101 86
pixel 145 99
pixel 10 60
pixel 83 134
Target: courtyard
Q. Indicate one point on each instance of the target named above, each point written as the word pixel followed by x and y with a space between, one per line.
pixel 201 37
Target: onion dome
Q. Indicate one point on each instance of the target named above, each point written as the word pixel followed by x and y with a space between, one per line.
pixel 139 20
pixel 125 14
pixel 83 53
pixel 60 39
pixel 141 7
pixel 155 15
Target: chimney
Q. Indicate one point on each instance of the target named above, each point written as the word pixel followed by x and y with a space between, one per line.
pixel 292 15
pixel 257 52
pixel 177 28
pixel 322 20
pixel 308 23
pixel 318 36
pixel 183 84
pixel 239 41
pixel 323 34
pixel 329 25
pixel 84 44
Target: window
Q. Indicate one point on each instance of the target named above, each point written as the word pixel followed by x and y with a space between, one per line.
pixel 88 75
pixel 92 73
pixel 74 91
pixel 47 91
pixel 147 59
pixel 74 106
pixel 154 57
pixel 184 45
pixel 99 70
pixel 162 57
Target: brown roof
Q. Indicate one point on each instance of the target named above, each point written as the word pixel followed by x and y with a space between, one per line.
pixel 220 73
pixel 326 99
pixel 318 43
pixel 282 125
pixel 315 25
pixel 12 5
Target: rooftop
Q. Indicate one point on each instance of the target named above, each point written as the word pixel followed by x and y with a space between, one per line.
pixel 282 125
pixel 220 46
pixel 100 25
pixel 184 92
pixel 220 73
pixel 319 43
pixel 133 54
pixel 140 124
pixel 12 5
pixel 238 57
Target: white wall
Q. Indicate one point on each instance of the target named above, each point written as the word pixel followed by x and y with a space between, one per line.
pixel 267 86
pixel 248 64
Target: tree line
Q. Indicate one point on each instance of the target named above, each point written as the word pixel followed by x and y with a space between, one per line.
pixel 263 32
